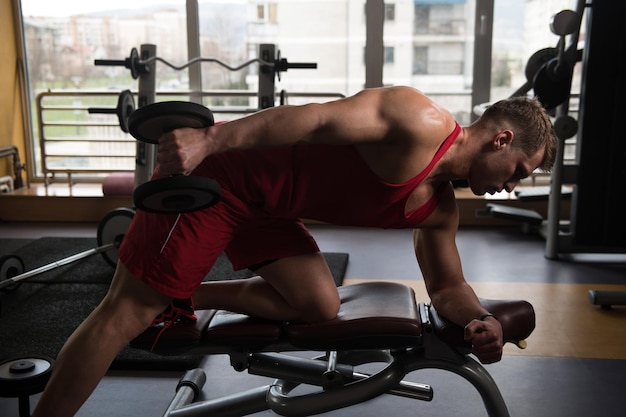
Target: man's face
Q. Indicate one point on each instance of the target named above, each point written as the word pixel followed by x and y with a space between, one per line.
pixel 502 170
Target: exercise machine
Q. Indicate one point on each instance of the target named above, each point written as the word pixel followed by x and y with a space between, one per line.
pixel 596 225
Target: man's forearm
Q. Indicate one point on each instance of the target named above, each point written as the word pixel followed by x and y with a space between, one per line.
pixel 458 304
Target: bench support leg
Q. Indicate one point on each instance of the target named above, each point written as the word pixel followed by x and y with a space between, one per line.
pixel 474 373
pixel 236 405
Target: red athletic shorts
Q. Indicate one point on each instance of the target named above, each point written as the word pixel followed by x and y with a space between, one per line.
pixel 174 254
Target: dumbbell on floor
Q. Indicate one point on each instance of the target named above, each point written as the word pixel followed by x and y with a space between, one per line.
pixel 178 193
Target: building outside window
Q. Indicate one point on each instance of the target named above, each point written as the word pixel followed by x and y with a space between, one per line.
pixel 428 44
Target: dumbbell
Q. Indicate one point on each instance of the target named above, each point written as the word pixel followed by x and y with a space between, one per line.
pixel 177 193
pixel 22 377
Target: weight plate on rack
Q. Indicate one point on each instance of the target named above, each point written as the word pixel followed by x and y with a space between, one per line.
pixel 112 229
pixel 537 60
pixel 10 266
pixel 125 107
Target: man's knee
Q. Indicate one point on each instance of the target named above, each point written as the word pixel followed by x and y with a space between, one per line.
pixel 322 306
pixel 130 303
pixel 306 284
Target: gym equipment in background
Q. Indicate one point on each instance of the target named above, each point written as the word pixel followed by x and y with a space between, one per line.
pixel 22 377
pixel 125 107
pixel 142 66
pixel 18 167
pixel 111 232
pixel 596 225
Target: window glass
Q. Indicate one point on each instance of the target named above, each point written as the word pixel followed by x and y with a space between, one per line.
pixel 520 30
pixel 522 36
pixel 63 39
pixel 431 44
pixel 328 33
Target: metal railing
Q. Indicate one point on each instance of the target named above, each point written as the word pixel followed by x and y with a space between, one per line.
pixel 76 143
pixel 72 141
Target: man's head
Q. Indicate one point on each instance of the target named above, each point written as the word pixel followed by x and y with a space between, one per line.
pixel 530 124
pixel 518 138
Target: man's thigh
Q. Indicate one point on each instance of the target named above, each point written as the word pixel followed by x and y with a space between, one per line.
pixel 305 282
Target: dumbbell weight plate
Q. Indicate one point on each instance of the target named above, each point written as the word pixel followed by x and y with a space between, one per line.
pixel 177 194
pixel 148 123
pixel 112 229
pixel 10 266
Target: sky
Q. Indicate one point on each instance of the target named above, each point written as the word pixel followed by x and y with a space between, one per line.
pixel 58 8
pixel 71 7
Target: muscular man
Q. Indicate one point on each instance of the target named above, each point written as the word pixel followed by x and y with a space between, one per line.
pixel 381 158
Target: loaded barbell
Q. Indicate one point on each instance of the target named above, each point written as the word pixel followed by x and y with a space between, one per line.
pixel 139 66
pixel 110 234
pixel 177 193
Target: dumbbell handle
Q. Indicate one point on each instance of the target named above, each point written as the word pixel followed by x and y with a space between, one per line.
pixel 111 62
pixel 101 110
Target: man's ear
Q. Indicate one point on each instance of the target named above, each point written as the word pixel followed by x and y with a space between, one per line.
pixel 503 139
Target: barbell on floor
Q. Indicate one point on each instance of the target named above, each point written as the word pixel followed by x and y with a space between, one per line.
pixel 111 231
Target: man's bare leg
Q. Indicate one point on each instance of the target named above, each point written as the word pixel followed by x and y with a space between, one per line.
pixel 297 288
pixel 128 309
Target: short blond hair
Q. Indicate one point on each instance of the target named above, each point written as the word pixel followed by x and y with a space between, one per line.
pixel 530 123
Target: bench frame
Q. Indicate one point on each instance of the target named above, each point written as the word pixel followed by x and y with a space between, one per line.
pixel 431 347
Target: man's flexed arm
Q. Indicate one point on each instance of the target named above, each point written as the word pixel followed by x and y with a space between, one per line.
pixel 369 116
pixel 450 294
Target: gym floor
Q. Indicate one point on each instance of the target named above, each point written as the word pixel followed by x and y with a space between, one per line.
pixel 574 365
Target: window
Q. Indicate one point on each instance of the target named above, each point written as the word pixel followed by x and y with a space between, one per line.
pixel 422 19
pixel 429 45
pixel 390 12
pixel 389 54
pixel 267 12
pixel 64 42
pixel 420 60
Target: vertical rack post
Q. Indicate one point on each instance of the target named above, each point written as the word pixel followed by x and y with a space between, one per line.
pixel 145 161
pixel 267 75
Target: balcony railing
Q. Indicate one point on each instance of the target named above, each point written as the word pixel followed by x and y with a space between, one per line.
pixel 82 145
pixel 78 144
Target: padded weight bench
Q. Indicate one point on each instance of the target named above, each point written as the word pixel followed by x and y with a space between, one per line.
pixel 119 183
pixel 378 322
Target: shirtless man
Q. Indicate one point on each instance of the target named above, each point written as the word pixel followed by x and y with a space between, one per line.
pixel 381 158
